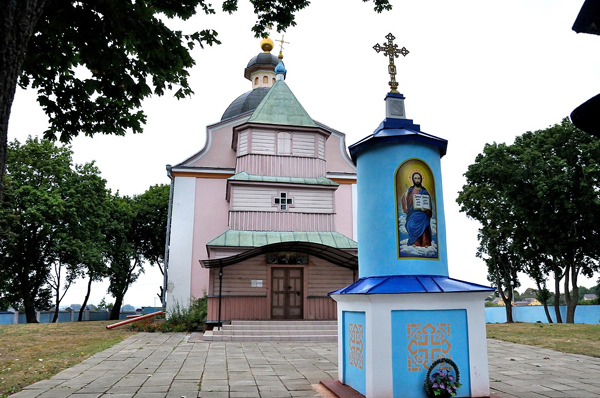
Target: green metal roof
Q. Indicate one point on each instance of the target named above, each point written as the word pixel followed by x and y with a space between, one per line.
pixel 236 238
pixel 280 106
pixel 243 176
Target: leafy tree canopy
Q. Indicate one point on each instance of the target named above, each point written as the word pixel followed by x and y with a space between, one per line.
pixel 93 62
pixel 537 201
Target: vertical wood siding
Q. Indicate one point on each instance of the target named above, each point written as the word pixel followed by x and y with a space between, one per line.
pixel 238 308
pixel 321 308
pixel 281 166
pixel 281 221
pixel 255 198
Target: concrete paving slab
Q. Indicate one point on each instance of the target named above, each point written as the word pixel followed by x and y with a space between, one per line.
pixel 174 366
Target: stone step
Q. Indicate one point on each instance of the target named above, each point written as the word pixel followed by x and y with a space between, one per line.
pixel 209 336
pixel 274 331
pixel 233 332
pixel 283 322
pixel 279 327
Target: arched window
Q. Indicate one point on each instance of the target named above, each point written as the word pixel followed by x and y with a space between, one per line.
pixel 256 81
pixel 265 80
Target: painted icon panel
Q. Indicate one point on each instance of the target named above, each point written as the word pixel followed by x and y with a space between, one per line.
pixel 416 210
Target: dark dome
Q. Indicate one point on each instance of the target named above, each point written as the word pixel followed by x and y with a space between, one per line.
pixel 262 60
pixel 245 102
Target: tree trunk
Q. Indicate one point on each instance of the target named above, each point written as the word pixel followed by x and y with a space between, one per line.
pixel 55 317
pixel 544 293
pixel 116 310
pixel 85 300
pixel 574 300
pixel 17 22
pixel 557 279
pixel 29 308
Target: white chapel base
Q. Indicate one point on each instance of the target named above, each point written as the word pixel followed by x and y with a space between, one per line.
pixel 387 341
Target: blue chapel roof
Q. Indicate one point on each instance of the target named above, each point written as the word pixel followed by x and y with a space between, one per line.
pixel 405 284
pixel 397 130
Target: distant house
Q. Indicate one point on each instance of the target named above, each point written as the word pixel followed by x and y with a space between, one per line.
pixel 499 301
pixel 590 297
pixel 527 301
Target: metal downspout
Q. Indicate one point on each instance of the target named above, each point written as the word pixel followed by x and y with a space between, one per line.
pixel 168 240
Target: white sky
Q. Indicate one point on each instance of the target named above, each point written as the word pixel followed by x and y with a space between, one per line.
pixel 478 72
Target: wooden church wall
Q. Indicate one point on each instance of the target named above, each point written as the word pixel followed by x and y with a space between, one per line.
pixel 242 301
pixel 260 198
pixel 281 221
pixel 281 166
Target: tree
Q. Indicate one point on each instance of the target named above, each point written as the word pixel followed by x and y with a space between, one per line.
pixel 43 221
pixel 135 233
pixel 544 190
pixel 482 199
pixel 127 50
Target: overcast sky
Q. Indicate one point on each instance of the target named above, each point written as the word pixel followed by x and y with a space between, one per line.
pixel 478 72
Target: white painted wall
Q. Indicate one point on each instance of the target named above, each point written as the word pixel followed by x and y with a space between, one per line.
pixel 182 235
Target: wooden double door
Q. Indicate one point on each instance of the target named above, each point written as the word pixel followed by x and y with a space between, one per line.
pixel 287 293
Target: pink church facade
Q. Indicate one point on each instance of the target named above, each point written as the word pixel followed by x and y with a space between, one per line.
pixel 263 216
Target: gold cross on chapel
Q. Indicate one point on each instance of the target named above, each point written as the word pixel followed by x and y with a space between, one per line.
pixel 391 50
pixel 280 56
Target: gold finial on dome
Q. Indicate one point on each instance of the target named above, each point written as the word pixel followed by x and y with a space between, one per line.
pixel 266 44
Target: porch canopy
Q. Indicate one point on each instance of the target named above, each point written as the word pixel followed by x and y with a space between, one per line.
pixel 329 246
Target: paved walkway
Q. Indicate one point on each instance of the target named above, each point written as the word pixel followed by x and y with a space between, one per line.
pixel 155 365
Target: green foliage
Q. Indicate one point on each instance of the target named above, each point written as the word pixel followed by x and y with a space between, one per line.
pixel 538 205
pixel 46 221
pixel 491 304
pixel 128 54
pixel 103 305
pixel 179 319
pixel 135 232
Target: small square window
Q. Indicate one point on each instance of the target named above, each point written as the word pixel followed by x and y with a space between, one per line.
pixel 283 202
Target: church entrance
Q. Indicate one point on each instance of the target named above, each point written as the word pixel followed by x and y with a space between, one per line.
pixel 287 293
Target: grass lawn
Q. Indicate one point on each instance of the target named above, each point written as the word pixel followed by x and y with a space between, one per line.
pixel 572 338
pixel 34 352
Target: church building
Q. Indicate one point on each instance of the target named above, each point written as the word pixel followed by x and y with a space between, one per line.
pixel 262 217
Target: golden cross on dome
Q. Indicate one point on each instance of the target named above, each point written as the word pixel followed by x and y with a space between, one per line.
pixel 280 56
pixel 391 50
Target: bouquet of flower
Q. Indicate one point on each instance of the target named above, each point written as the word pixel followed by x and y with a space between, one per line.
pixel 441 382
